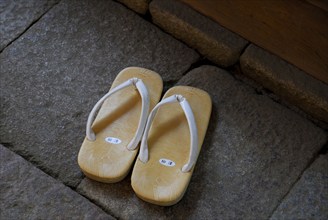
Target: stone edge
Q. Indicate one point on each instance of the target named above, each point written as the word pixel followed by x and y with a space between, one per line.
pixel 222 49
pixel 56 181
pixel 286 87
pixel 139 6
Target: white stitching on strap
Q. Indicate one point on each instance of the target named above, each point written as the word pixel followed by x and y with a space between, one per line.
pixel 142 89
pixel 143 155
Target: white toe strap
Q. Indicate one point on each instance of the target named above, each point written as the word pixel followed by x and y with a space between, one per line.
pixel 143 155
pixel 142 89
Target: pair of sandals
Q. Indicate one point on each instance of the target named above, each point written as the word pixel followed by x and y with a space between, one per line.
pixel 171 135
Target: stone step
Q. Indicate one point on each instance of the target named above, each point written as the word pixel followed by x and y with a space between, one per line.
pixel 254 151
pixel 56 71
pixel 28 193
pixel 211 39
pixel 287 81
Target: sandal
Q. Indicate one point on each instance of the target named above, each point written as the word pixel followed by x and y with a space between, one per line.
pixel 170 145
pixel 112 140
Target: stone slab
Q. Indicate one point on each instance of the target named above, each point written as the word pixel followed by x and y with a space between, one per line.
pixel 16 16
pixel 287 81
pixel 254 151
pixel 308 199
pixel 28 193
pixel 139 6
pixel 53 75
pixel 209 38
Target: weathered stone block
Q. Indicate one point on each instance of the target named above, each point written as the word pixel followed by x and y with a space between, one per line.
pixel 209 38
pixel 287 81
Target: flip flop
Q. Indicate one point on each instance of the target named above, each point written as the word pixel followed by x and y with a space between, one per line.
pixel 112 140
pixel 170 145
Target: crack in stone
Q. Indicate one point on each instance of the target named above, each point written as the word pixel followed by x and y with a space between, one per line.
pixel 315 157
pixel 96 203
pixel 29 26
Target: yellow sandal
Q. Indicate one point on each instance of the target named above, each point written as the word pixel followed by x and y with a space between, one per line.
pixel 112 140
pixel 170 145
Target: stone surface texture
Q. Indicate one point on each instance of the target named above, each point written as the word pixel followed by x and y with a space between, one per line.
pixel 254 151
pixel 16 16
pixel 28 193
pixel 53 75
pixel 308 199
pixel 287 81
pixel 209 38
pixel 139 6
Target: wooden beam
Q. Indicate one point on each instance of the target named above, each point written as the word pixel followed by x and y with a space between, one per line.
pixel 295 30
